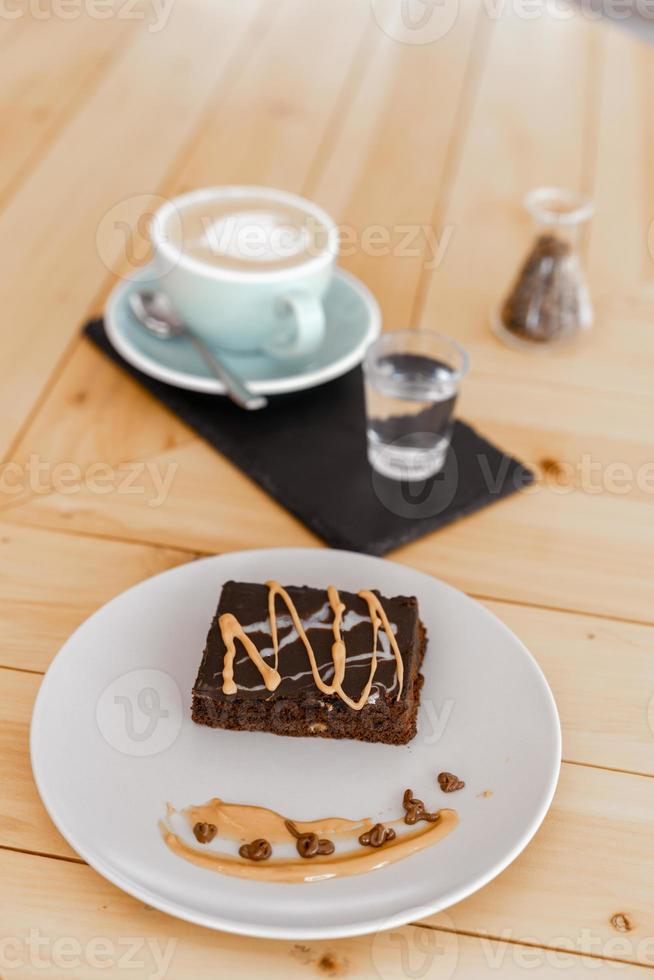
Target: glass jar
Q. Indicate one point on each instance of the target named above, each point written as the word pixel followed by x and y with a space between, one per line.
pixel 548 303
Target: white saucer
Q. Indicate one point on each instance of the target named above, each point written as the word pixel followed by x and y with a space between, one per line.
pixel 105 773
pixel 353 322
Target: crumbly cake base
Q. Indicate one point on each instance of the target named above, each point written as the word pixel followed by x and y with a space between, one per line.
pixel 390 721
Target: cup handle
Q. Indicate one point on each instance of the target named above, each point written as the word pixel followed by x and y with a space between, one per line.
pixel 305 333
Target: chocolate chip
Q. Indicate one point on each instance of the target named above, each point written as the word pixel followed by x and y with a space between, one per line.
pixel 377 836
pixel 257 850
pixel 415 809
pixel 309 845
pixel 450 783
pixel 205 832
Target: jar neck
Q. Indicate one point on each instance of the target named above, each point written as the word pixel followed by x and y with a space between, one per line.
pixel 559 212
pixel 568 233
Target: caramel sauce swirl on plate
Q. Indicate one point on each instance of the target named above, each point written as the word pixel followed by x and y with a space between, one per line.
pixel 242 824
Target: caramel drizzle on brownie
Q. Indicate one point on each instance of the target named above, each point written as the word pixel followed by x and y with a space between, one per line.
pixel 232 631
pixel 379 618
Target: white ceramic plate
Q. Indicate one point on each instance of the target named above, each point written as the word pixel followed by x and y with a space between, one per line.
pixel 112 741
pixel 353 321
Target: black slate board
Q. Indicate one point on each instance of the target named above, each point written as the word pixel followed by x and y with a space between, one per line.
pixel 308 451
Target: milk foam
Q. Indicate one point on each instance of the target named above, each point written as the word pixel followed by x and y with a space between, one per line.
pixel 250 233
pixel 257 236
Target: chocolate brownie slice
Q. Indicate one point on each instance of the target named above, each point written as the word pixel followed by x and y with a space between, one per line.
pixel 243 685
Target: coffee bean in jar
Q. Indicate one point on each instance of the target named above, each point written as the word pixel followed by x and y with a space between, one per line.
pixel 548 302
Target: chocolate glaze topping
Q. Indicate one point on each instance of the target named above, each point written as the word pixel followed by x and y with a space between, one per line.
pixel 269 641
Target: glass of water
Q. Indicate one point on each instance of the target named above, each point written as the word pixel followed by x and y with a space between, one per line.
pixel 412 380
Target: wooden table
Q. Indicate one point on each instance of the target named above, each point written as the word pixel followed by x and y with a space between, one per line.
pixel 101 117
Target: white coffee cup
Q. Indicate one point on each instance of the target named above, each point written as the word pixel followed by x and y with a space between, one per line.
pixel 238 275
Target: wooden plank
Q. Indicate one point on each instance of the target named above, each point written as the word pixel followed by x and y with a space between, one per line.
pixel 601 445
pixel 46 72
pixel 53 582
pixel 11 27
pixel 591 861
pixel 88 418
pixel 59 208
pixel 268 127
pixel 542 132
pixel 549 545
pixel 596 812
pixel 230 507
pixel 390 164
pixel 25 823
pixel 602 675
pixel 519 136
pixel 621 252
pixel 63 898
pixel 565 549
